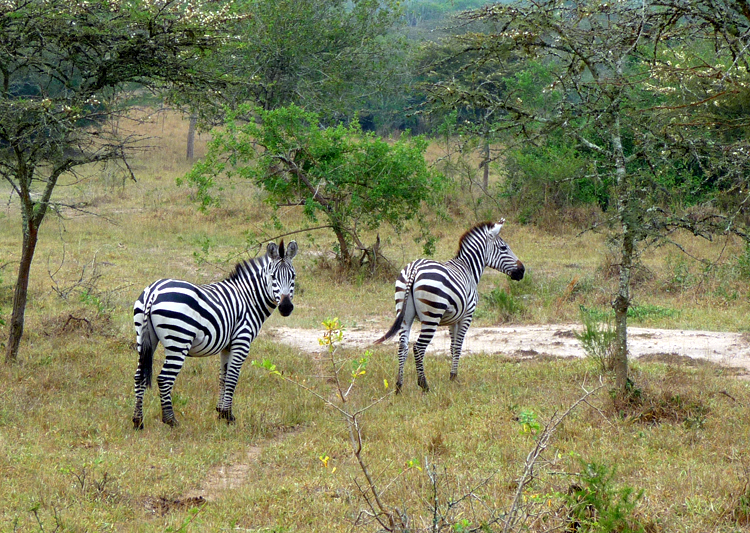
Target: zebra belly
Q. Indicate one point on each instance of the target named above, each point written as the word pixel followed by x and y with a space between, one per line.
pixel 181 322
pixel 437 305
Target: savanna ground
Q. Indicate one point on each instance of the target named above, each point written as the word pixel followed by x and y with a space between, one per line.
pixel 672 458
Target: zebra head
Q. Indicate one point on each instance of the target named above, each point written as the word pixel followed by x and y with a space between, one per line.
pixel 500 256
pixel 282 275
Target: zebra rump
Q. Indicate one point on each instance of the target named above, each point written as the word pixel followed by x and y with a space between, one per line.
pixel 396 326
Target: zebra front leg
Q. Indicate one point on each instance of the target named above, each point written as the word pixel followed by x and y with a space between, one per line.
pixel 231 377
pixel 225 355
pixel 172 365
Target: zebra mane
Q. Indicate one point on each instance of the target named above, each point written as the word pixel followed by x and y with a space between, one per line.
pixel 245 268
pixel 471 232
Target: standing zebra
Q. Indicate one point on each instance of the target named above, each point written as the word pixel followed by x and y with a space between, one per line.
pixel 201 320
pixel 445 294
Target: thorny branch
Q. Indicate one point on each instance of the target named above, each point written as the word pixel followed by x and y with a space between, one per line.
pixel 512 518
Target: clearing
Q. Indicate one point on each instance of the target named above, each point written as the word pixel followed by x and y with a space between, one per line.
pixel 731 350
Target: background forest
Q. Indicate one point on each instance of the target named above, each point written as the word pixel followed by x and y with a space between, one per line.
pixel 149 139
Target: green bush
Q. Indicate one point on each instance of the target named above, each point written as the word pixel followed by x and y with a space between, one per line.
pixel 743 263
pixel 596 505
pixel 552 176
pixel 503 303
pixel 597 338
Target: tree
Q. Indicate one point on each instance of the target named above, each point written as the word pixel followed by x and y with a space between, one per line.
pixel 323 55
pixel 354 180
pixel 632 85
pixel 61 65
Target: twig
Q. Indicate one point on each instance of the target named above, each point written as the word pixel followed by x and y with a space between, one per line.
pixel 531 459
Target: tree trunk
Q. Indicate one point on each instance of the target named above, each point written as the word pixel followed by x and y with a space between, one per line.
pixel 345 257
pixel 627 255
pixel 19 297
pixel 191 137
pixel 486 163
pixel 620 305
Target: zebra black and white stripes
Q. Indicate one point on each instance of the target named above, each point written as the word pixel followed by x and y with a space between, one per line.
pixel 202 320
pixel 445 294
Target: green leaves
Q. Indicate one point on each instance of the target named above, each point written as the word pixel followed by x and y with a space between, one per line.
pixel 339 173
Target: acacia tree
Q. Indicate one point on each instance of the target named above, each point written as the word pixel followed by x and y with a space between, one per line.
pixel 354 180
pixel 633 85
pixel 61 64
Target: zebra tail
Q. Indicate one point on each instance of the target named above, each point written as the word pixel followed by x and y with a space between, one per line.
pixel 400 318
pixel 146 353
pixel 395 327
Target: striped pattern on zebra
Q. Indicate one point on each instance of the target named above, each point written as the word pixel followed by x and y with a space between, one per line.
pixel 445 294
pixel 202 320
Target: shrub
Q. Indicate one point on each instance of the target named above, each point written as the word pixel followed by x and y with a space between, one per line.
pixel 597 338
pixel 596 505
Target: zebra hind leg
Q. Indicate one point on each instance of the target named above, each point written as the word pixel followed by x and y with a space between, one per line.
pixel 403 348
pixel 172 365
pixel 420 347
pixel 142 380
pixel 227 415
pixel 140 388
pixel 421 377
pixel 403 342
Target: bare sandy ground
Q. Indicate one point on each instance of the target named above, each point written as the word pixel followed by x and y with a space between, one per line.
pixel 527 341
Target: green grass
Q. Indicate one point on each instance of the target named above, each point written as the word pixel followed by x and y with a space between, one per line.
pixel 69 450
pixel 71 461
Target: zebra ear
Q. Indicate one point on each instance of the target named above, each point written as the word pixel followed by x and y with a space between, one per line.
pixel 496 228
pixel 272 250
pixel 291 250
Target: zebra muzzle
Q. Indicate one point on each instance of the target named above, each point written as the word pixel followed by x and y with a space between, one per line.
pixel 517 273
pixel 286 306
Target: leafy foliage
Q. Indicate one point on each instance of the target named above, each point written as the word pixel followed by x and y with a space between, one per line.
pixel 597 506
pixel 354 180
pixel 323 55
pixel 62 66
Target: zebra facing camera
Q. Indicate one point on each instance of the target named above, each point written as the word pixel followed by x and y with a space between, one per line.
pixel 201 320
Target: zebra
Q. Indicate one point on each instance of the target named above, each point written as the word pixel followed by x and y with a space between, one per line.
pixel 445 294
pixel 202 320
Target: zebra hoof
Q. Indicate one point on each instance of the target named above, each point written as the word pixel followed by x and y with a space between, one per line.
pixel 424 385
pixel 453 376
pixel 226 415
pixel 171 422
pixel 138 423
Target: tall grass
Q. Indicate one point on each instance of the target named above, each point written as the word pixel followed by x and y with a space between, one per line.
pixel 70 460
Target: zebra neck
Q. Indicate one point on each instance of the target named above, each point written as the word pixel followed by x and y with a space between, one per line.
pixel 253 284
pixel 471 266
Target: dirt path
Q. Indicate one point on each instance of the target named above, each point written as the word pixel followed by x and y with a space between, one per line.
pixel 525 341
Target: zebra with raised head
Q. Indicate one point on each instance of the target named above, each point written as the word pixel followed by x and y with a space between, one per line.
pixel 201 320
pixel 445 294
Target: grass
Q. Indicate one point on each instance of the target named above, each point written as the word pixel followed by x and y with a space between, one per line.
pixel 70 460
